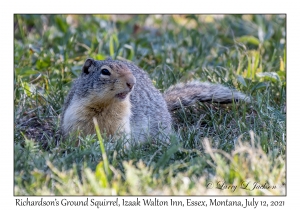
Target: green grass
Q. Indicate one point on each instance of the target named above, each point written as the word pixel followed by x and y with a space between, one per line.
pixel 211 142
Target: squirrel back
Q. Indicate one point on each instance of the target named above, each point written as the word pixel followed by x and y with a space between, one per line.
pixel 122 98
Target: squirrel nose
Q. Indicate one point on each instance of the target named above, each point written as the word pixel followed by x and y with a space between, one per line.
pixel 130 85
pixel 130 82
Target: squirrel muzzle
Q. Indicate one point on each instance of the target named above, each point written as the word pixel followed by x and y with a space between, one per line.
pixel 129 80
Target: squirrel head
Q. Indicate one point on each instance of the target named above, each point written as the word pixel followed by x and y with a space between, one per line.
pixel 106 81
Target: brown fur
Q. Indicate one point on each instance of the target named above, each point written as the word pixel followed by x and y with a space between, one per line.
pixel 110 117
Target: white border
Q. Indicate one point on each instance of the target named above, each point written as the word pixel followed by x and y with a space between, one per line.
pixel 153 6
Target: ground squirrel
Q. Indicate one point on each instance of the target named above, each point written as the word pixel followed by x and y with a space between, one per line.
pixel 123 99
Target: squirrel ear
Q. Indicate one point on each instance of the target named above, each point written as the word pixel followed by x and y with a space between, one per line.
pixel 86 65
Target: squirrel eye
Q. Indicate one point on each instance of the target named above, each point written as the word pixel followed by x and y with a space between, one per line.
pixel 105 72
